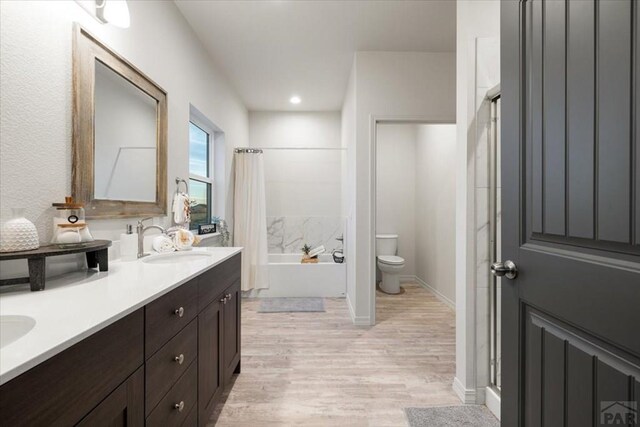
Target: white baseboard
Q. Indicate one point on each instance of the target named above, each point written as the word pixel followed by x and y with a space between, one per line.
pixel 358 321
pixel 492 400
pixel 466 395
pixel 433 290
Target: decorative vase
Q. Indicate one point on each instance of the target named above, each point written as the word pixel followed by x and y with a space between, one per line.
pixel 18 234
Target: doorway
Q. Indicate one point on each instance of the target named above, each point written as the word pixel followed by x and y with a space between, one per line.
pixel 414 208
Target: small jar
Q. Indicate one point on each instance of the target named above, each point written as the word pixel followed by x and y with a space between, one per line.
pixel 69 226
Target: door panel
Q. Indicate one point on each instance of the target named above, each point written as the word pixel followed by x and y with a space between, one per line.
pixel 570 210
pixel 614 113
pixel 209 365
pixel 580 130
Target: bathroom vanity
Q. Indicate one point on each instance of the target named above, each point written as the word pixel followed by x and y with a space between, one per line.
pixel 152 342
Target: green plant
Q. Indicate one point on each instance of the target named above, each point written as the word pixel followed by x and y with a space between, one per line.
pixel 306 249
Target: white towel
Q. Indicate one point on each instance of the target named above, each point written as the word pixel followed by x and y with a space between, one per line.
pixel 163 244
pixel 183 240
pixel 181 208
pixel 316 251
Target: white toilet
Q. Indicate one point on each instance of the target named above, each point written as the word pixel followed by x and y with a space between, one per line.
pixel 389 264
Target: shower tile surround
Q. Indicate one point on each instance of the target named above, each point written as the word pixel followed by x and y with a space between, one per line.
pixel 288 234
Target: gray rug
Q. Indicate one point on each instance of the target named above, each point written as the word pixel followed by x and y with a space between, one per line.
pixel 291 305
pixel 451 416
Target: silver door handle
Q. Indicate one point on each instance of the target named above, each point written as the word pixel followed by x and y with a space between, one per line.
pixel 179 312
pixel 224 300
pixel 228 296
pixel 507 269
pixel 179 406
pixel 179 359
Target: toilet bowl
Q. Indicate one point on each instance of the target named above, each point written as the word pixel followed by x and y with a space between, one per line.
pixel 389 263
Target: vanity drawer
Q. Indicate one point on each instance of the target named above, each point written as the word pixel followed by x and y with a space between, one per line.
pixel 163 370
pixel 182 394
pixel 167 315
pixel 213 282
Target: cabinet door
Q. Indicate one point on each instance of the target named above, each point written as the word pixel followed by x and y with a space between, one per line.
pixel 210 380
pixel 123 407
pixel 231 334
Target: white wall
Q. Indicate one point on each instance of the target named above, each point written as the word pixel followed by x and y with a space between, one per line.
pixel 435 208
pixel 396 188
pixel 303 186
pixel 388 85
pixel 35 107
pixel 348 136
pixel 475 19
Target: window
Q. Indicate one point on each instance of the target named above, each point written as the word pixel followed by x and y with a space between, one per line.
pixel 200 174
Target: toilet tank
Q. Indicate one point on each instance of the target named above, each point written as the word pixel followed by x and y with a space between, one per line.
pixel 386 244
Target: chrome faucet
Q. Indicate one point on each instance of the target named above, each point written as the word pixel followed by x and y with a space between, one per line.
pixel 140 229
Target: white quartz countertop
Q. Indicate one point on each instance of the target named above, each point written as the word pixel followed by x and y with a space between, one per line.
pixel 76 305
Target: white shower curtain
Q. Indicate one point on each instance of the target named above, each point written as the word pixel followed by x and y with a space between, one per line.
pixel 250 218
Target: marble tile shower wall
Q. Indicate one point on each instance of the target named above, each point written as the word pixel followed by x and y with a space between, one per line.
pixel 287 234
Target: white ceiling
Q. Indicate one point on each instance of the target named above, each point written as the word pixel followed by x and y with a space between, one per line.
pixel 272 50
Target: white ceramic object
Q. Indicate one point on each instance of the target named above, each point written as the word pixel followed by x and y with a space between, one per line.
pixel 18 234
pixel 389 264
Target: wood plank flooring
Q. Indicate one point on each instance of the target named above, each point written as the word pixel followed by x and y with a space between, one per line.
pixel 317 369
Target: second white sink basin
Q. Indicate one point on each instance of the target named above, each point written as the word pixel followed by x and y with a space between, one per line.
pixel 13 327
pixel 176 257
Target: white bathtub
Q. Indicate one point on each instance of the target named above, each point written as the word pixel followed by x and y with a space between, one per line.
pixel 288 277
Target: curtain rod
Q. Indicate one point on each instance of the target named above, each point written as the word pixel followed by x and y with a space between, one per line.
pixel 240 150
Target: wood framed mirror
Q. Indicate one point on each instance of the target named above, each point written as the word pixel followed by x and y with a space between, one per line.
pixel 119 134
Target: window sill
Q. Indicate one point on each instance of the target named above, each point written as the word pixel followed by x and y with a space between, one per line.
pixel 205 236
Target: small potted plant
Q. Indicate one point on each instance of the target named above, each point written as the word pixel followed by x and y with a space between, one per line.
pixel 305 253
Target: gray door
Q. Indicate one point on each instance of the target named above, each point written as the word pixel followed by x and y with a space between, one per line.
pixel 571 214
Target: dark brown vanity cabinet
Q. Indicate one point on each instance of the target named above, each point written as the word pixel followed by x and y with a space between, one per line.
pixel 164 365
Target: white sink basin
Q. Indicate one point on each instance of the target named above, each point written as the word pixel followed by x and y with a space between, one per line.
pixel 176 257
pixel 13 327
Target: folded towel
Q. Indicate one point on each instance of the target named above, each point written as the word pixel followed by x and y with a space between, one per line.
pixel 181 208
pixel 183 239
pixel 316 251
pixel 163 244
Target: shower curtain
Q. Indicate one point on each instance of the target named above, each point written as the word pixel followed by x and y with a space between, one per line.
pixel 250 218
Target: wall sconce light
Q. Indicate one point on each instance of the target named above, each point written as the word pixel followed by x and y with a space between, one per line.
pixel 114 12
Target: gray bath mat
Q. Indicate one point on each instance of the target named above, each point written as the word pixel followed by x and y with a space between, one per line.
pixel 290 305
pixel 451 416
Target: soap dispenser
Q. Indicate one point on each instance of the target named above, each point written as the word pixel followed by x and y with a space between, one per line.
pixel 129 244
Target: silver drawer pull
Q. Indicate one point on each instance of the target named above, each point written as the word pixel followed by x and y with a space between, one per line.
pixel 179 406
pixel 229 296
pixel 179 359
pixel 224 300
pixel 179 311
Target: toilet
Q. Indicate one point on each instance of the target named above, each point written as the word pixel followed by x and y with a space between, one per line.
pixel 389 264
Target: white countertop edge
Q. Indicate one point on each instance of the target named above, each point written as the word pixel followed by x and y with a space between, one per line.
pixel 27 364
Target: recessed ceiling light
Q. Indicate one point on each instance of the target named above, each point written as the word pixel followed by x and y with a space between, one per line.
pixel 295 100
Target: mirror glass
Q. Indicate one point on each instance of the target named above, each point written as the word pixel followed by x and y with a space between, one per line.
pixel 126 135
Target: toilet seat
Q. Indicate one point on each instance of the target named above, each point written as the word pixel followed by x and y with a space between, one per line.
pixel 391 259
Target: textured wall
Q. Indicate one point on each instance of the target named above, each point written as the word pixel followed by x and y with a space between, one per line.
pixel 35 106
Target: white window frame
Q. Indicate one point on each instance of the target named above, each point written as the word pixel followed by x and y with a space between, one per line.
pixel 211 134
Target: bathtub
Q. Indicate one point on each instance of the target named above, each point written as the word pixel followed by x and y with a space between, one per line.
pixel 290 278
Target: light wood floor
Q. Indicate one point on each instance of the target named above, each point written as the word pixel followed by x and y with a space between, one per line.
pixel 317 369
